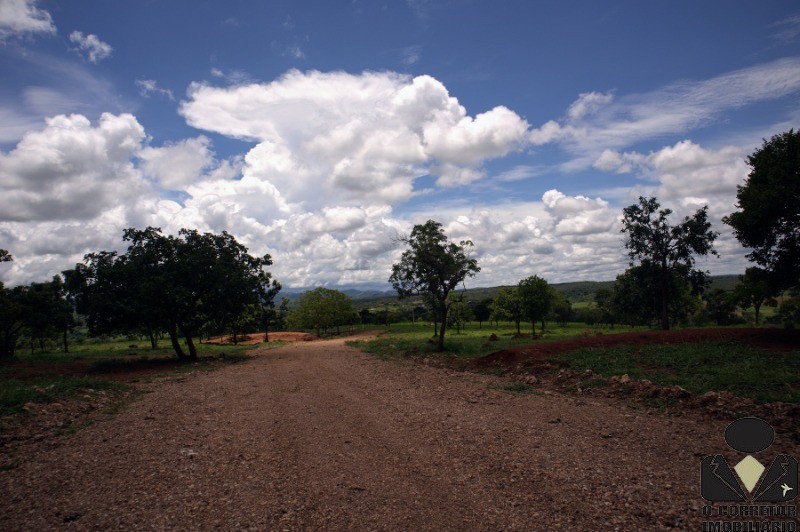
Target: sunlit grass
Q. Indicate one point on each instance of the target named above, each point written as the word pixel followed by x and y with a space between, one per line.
pixel 407 339
pixel 731 366
pixel 15 393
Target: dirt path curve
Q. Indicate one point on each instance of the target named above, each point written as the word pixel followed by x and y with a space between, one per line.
pixel 318 435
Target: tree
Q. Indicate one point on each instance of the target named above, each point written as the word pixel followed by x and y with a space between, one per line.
pixel 321 309
pixel 48 315
pixel 633 297
pixel 507 306
pixel 536 300
pixel 13 309
pixel 178 284
pixel 666 250
pixel 10 324
pixel 434 267
pixel 266 305
pixel 460 312
pixel 482 311
pixel 721 306
pixel 768 221
pixel 754 289
pixel 789 312
pixel 561 310
pixel 604 299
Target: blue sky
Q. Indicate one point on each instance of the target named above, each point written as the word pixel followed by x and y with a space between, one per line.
pixel 319 131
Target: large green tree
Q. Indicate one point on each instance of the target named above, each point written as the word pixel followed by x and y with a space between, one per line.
pixel 13 309
pixel 482 311
pixel 536 298
pixel 664 250
pixel 507 306
pixel 755 288
pixel 321 309
pixel 433 266
pixel 768 219
pixel 173 283
pixel 48 315
pixel 38 310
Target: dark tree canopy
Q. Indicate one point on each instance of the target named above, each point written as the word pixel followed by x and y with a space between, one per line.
pixel 177 284
pixel 508 306
pixel 38 310
pixel 755 288
pixel 768 219
pixel 321 309
pixel 664 250
pixel 482 310
pixel 536 300
pixel 433 266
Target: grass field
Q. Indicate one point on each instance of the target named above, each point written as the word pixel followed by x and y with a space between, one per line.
pixel 743 370
pixel 407 339
pixel 725 365
pixel 51 376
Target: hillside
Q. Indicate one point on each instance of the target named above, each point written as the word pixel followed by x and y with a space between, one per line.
pixel 575 292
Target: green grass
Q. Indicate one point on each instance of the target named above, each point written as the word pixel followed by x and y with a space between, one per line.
pixel 17 389
pixel 95 349
pixel 729 366
pixel 406 339
pixel 516 387
pixel 15 393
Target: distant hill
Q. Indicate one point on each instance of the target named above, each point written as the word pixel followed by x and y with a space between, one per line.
pixel 725 282
pixel 575 292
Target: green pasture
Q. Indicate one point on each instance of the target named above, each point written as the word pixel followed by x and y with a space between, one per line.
pixel 407 339
pixel 103 349
pixel 731 366
pixel 19 385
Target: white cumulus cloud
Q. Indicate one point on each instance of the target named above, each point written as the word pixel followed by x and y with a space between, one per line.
pixel 94 49
pixel 336 136
pixel 20 17
pixel 70 169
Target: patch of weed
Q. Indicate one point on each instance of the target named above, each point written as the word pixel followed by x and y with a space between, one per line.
pixel 515 387
pixel 15 393
pixel 743 370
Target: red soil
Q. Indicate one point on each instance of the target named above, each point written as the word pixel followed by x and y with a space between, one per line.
pixel 531 354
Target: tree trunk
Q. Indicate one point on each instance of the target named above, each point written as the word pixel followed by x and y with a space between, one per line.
pixel 152 336
pixel 665 300
pixel 7 347
pixel 442 327
pixel 176 345
pixel 757 307
pixel 66 344
pixel 266 332
pixel 190 344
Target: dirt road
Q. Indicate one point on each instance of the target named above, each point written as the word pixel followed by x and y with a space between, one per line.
pixel 318 435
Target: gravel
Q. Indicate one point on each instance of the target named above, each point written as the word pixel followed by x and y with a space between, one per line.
pixel 317 435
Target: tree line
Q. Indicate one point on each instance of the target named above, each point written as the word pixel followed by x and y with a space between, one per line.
pixel 662 282
pixel 195 282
